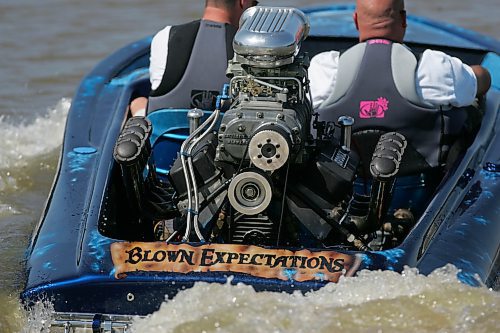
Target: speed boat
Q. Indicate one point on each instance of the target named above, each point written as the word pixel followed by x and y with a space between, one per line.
pixel 258 191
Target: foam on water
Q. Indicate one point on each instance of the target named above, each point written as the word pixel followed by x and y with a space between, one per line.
pixel 24 142
pixel 371 302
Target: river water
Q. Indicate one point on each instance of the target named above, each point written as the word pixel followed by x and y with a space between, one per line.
pixel 46 48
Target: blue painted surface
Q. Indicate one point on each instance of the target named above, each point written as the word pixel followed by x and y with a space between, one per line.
pixel 130 77
pixel 78 161
pixel 84 150
pixel 98 250
pixel 492 63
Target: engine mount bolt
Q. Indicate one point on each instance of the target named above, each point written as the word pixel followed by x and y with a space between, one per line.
pixel 280 116
pixel 239 115
pixel 260 115
pixel 222 127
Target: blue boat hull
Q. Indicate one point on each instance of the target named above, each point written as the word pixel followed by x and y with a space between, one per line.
pixel 69 260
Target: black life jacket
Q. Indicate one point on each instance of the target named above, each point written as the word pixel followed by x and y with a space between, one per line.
pixel 376 86
pixel 198 53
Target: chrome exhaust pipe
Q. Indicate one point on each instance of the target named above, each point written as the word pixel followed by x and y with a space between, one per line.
pixel 384 167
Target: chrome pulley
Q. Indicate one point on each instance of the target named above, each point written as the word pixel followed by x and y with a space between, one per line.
pixel 250 192
pixel 269 150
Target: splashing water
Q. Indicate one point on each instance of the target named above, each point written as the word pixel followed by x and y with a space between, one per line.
pixel 22 143
pixel 38 319
pixel 374 301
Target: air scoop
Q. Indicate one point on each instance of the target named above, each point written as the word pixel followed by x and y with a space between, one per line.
pixel 270 37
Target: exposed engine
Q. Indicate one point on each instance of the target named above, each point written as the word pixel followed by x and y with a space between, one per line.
pixel 257 174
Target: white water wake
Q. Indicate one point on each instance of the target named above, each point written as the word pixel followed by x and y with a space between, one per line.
pixel 374 301
pixel 22 143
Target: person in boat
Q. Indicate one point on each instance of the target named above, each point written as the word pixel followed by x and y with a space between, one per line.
pixel 188 62
pixel 383 85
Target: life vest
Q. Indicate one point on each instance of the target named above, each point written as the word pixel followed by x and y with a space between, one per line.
pixel 197 58
pixel 376 86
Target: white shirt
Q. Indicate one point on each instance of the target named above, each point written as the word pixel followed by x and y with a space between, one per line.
pixel 158 58
pixel 441 80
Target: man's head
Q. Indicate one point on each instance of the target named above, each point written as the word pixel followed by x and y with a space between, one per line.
pixel 228 11
pixel 380 19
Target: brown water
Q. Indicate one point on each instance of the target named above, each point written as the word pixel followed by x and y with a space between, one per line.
pixel 47 46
